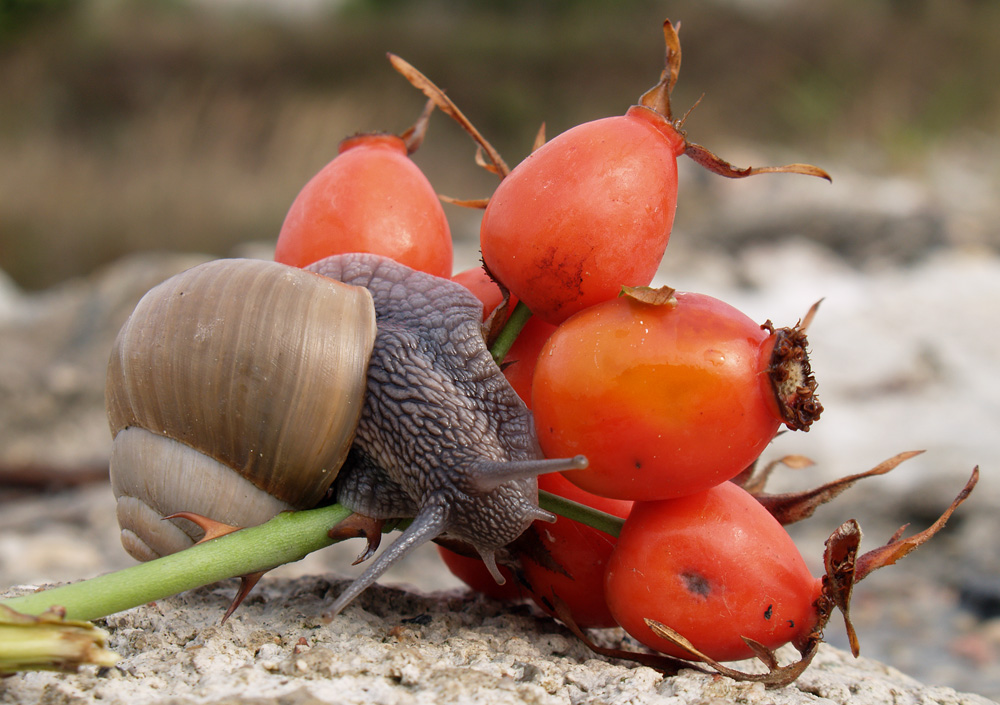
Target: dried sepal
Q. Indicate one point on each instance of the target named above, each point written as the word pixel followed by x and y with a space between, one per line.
pixel 478 203
pixel 776 676
pixel 475 203
pixel 413 136
pixel 667 665
pixel 658 97
pixel 663 296
pixel 898 547
pixel 791 375
pixel 481 162
pixel 495 322
pixel 840 560
pixel 845 568
pixel 539 138
pixel 445 105
pixel 754 479
pixel 530 546
pixel 717 165
pixel 807 320
pixel 791 507
pixel 763 654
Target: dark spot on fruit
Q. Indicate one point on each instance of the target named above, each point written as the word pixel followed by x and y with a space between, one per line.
pixel 791 624
pixel 638 465
pixel 768 611
pixel 696 584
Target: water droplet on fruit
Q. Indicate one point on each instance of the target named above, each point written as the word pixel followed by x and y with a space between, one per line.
pixel 715 357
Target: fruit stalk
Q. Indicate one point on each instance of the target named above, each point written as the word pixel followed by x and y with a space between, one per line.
pixel 286 538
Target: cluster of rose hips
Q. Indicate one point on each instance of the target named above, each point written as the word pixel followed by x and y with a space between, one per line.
pixel 671 396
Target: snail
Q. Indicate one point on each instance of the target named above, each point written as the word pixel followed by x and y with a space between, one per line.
pixel 242 388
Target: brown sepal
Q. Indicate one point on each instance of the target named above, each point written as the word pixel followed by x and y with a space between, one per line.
pixel 840 560
pixel 481 162
pixel 663 296
pixel 462 548
pixel 658 97
pixel 476 203
pixel 720 166
pixel 481 203
pixel 529 546
pixel 413 136
pixel 898 546
pixel 845 568
pixel 777 676
pixel 539 138
pixel 445 105
pixel 791 373
pixel 497 319
pixel 661 662
pixel 753 479
pixel 791 507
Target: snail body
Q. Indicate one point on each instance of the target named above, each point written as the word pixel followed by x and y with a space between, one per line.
pixel 417 421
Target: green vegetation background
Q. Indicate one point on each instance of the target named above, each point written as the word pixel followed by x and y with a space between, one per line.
pixel 129 124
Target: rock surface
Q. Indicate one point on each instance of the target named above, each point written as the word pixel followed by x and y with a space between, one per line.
pixel 397 647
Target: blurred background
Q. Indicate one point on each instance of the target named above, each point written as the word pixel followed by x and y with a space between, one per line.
pixel 174 124
pixel 132 127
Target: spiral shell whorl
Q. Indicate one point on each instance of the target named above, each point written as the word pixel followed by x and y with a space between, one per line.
pixel 241 367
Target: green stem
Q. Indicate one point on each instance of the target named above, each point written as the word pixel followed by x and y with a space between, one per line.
pixel 286 538
pixel 508 334
pixel 595 518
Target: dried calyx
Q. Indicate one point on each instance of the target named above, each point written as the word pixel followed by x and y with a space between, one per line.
pixel 657 100
pixel 791 374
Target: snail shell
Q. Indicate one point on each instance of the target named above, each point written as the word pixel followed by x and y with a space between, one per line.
pixel 233 391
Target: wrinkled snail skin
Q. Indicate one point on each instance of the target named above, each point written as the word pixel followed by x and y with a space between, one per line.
pixel 255 383
pixel 233 391
pixel 442 437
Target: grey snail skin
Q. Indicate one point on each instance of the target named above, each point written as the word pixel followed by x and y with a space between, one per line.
pixel 242 388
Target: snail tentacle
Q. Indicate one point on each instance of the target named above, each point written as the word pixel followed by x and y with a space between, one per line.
pixel 490 474
pixel 426 526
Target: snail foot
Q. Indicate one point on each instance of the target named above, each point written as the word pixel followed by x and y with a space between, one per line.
pixel 213 529
pixel 359 526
